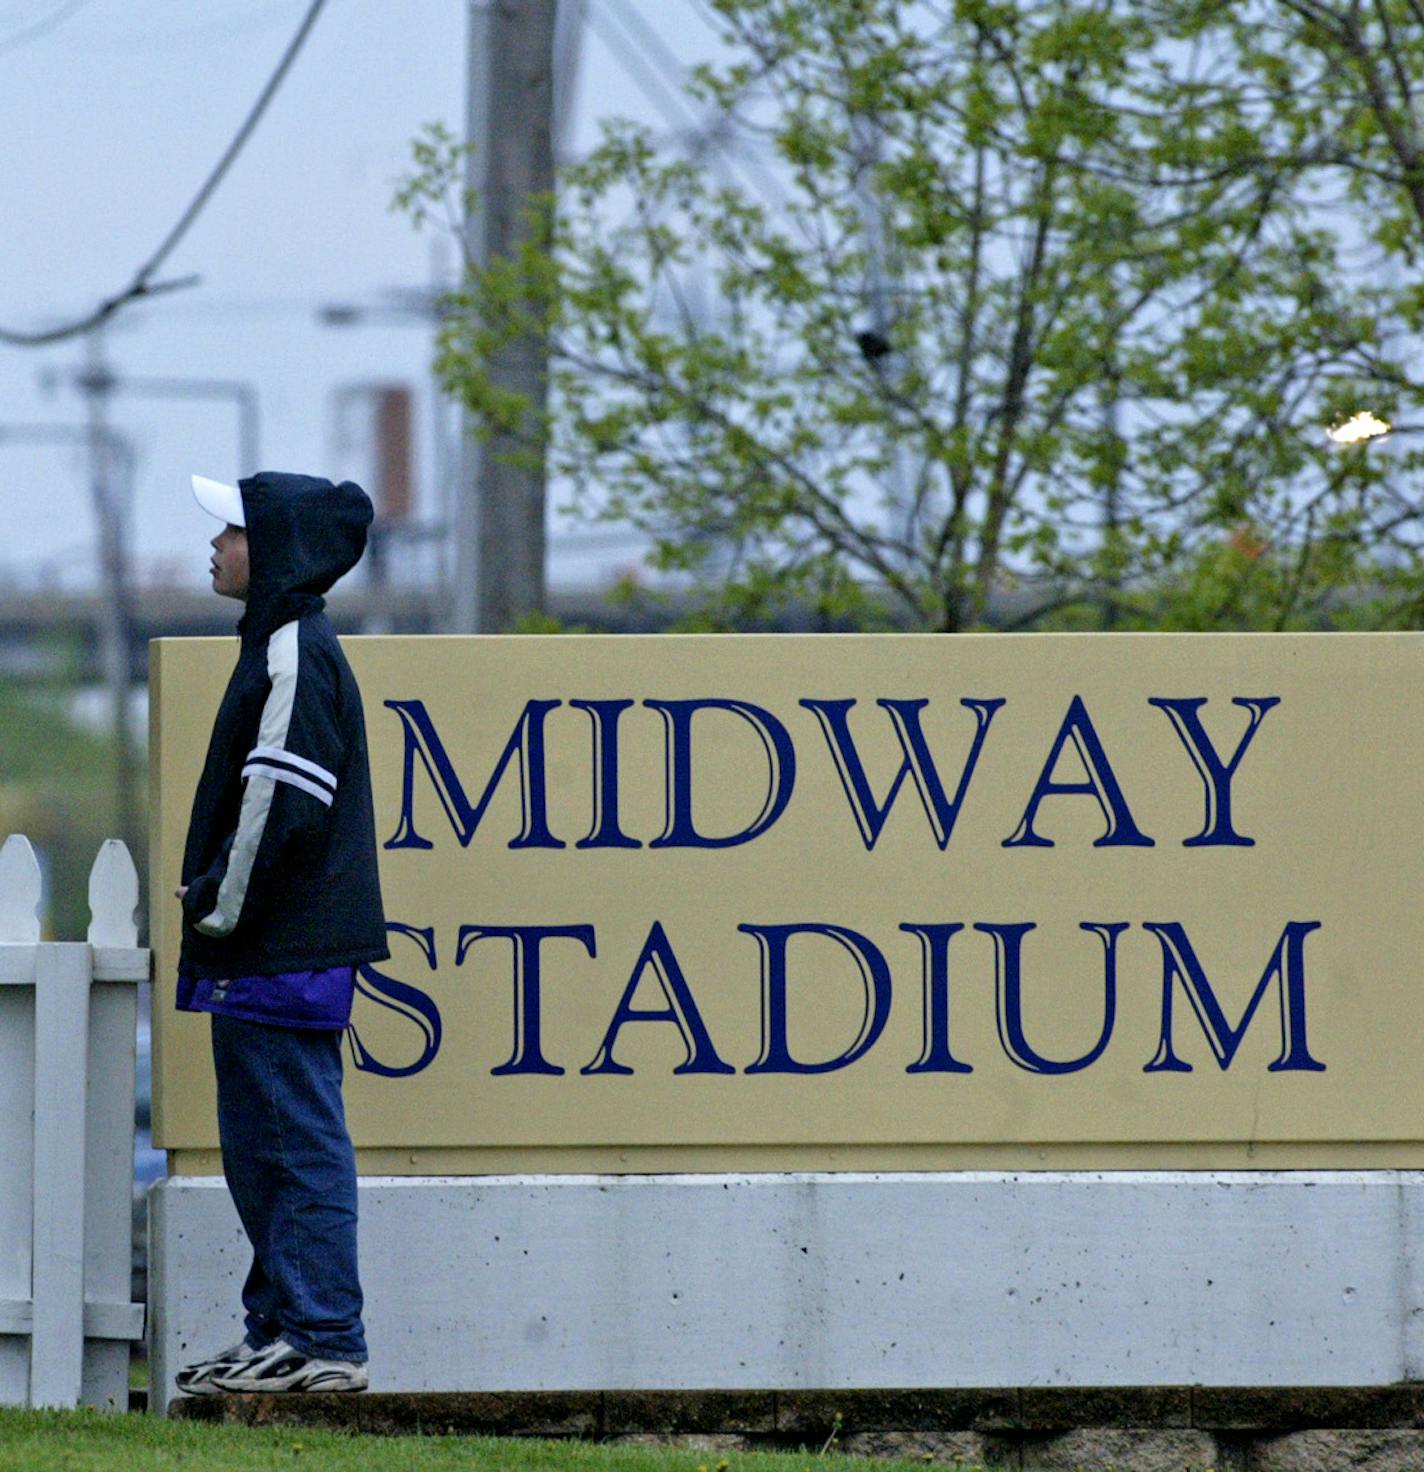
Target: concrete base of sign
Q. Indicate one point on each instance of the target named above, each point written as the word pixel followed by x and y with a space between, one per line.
pixel 830 1281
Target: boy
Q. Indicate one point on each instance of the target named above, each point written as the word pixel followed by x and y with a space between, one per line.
pixel 281 902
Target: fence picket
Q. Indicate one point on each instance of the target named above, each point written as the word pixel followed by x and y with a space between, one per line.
pixel 113 896
pixel 19 943
pixel 61 1079
pixel 21 888
pixel 66 1153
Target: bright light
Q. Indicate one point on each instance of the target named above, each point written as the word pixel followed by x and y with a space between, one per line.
pixel 1358 428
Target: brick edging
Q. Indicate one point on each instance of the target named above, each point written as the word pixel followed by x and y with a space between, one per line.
pixel 798 1417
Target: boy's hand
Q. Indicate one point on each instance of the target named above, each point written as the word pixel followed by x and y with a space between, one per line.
pixel 180 891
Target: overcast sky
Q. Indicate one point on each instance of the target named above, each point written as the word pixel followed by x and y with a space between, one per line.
pixel 112 119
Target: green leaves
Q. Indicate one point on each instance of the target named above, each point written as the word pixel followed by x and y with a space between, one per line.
pixel 1057 293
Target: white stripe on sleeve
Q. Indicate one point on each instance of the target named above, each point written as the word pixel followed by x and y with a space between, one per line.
pixel 281 774
pixel 282 656
pixel 313 769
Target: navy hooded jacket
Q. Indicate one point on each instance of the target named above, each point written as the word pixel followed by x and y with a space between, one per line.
pixel 280 861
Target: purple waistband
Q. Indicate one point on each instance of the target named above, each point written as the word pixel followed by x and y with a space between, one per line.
pixel 286 999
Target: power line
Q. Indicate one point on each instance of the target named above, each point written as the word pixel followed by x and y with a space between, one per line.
pixel 647 59
pixel 647 37
pixel 141 284
pixel 644 75
pixel 568 43
pixel 234 27
pixel 52 21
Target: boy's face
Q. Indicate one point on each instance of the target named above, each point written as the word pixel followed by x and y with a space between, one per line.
pixel 229 564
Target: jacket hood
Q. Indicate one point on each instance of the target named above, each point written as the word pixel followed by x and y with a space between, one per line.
pixel 303 533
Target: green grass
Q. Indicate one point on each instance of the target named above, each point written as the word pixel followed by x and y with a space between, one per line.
pixel 90 1441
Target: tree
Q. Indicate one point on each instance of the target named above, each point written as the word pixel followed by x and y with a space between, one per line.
pixel 1356 100
pixel 1331 91
pixel 1047 299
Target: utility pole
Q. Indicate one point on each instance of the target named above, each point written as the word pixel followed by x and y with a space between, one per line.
pixel 499 520
pixel 114 612
pixel 111 494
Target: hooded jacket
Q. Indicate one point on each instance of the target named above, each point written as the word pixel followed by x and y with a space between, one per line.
pixel 280 861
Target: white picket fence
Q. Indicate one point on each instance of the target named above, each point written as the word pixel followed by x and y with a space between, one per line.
pixel 68 1013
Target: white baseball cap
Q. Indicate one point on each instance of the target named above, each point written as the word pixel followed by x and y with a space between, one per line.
pixel 219 499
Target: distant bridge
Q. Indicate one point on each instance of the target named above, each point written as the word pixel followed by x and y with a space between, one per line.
pixel 30 620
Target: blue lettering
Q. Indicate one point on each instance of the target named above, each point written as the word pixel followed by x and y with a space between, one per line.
pixel 677 725
pixel 526 743
pixel 934 949
pixel 917 763
pixel 527 1057
pixel 775 1055
pixel 1008 996
pixel 1216 776
pixel 1101 784
pixel 1286 968
pixel 416 1006
pixel 657 955
pixel 605 832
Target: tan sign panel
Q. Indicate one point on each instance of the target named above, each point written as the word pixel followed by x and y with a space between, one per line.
pixel 866 902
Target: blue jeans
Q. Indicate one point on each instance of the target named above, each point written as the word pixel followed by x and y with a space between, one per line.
pixel 292 1173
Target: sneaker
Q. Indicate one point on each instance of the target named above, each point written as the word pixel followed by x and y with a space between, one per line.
pixel 279 1367
pixel 197 1379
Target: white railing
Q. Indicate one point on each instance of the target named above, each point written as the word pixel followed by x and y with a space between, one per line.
pixel 68 1014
